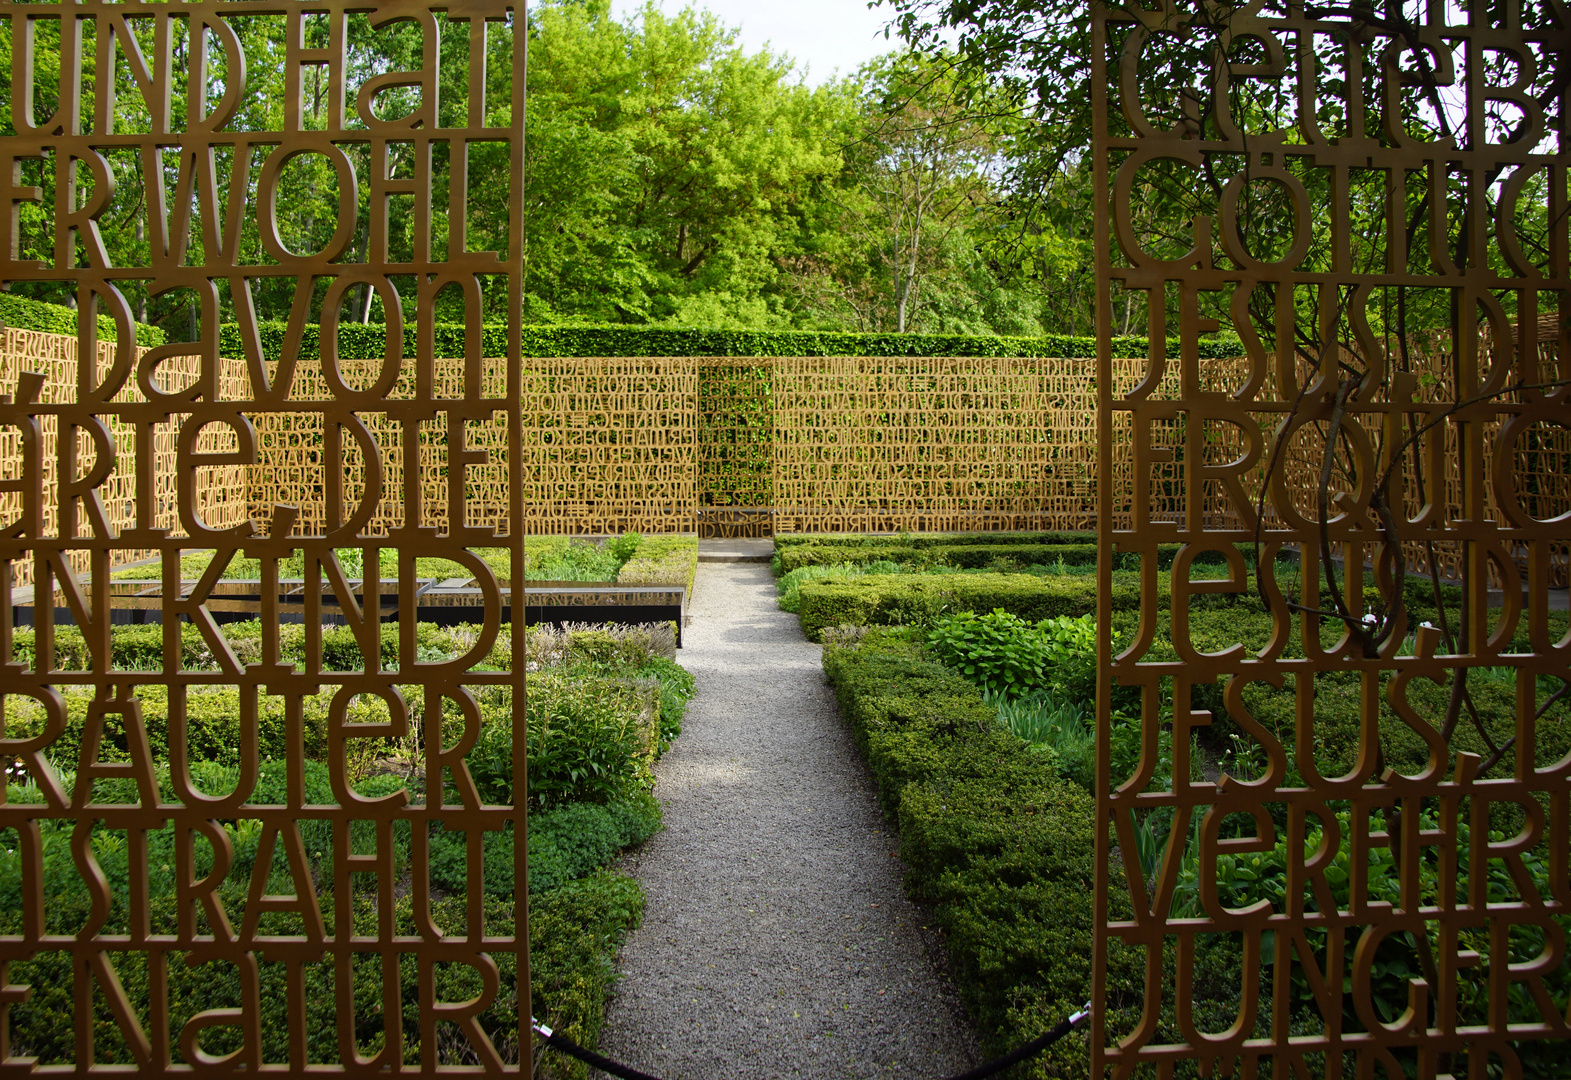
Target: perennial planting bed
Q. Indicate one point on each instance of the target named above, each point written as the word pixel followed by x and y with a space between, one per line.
pixel 965 668
pixel 603 705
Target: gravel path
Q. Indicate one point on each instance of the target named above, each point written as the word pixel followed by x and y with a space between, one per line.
pixel 778 941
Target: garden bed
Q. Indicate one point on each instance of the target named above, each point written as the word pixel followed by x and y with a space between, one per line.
pixel 629 559
pixel 976 720
pixel 603 704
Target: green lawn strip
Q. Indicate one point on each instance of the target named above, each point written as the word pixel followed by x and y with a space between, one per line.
pixel 595 723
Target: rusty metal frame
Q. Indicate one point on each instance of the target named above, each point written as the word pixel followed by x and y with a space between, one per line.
pixel 207 179
pixel 1342 374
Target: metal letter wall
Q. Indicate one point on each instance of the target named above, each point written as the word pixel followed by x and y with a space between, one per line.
pixel 298 899
pixel 1317 180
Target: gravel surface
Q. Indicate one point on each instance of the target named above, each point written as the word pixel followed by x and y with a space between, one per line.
pixel 778 940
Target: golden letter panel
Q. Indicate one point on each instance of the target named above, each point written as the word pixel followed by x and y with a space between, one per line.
pixel 184 902
pixel 1374 881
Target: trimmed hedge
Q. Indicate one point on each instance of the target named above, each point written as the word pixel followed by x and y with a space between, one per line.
pixel 25 314
pixel 662 560
pixel 976 556
pixel 579 914
pixel 1337 701
pixel 141 648
pixel 368 340
pixel 1002 846
pixel 964 556
pixel 574 932
pixel 213 725
pixel 565 845
pixel 928 540
pixel 917 598
pixel 900 599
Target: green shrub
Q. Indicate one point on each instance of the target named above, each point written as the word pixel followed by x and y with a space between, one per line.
pixel 991 836
pixel 369 341
pixel 1048 550
pixel 786 541
pixel 662 560
pixel 589 739
pixel 998 651
pixel 790 585
pixel 351 560
pixel 918 599
pixel 622 547
pixel 676 690
pixel 1003 846
pixel 25 314
pixel 140 648
pixel 1006 655
pixel 962 556
pixel 574 932
pixel 1054 726
pixel 1243 880
pixel 614 646
pixel 618 645
pixel 579 560
pixel 579 838
pixel 213 725
pixel 565 844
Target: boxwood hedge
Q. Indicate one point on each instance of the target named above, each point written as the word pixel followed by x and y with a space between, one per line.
pixel 900 599
pixel 579 914
pixel 1004 849
pixel 964 556
pixel 971 556
pixel 926 540
pixel 573 931
pixel 25 314
pixel 368 340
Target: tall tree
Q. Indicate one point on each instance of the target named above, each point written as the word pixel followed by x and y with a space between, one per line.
pixel 669 172
pixel 926 177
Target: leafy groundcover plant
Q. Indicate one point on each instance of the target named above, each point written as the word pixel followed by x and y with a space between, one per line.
pixel 992 792
pixel 602 706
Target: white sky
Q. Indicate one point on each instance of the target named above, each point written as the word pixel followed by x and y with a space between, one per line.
pixel 822 36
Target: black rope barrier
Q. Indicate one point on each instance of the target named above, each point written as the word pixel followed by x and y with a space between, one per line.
pixel 588 1057
pixel 992 1068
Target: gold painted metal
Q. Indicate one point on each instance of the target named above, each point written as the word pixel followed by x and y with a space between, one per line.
pixel 878 444
pixel 1313 204
pixel 613 444
pixel 609 444
pixel 114 453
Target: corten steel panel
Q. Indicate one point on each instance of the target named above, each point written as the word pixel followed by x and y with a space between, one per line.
pixel 389 103
pixel 1302 174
